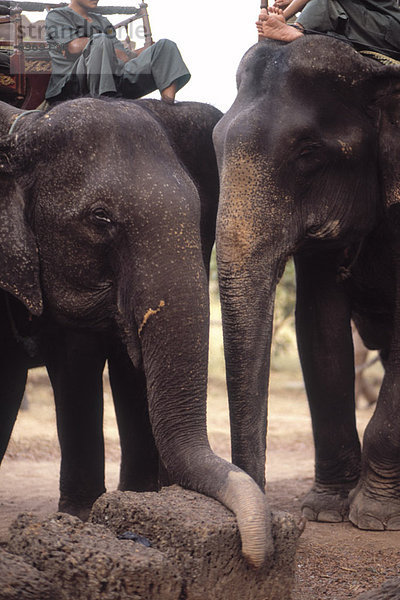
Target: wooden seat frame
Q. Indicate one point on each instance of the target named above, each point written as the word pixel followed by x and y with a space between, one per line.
pixel 30 64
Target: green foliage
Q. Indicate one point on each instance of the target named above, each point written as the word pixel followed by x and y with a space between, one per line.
pixel 284 340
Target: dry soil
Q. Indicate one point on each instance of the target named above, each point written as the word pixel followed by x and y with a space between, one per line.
pixel 335 561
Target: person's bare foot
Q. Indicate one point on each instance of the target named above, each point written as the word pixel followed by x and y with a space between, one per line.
pixel 278 12
pixel 272 27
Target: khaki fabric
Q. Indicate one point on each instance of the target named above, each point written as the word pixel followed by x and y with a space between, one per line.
pixel 98 71
pixel 372 23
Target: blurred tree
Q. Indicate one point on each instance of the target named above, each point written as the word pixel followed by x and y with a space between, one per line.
pixel 284 339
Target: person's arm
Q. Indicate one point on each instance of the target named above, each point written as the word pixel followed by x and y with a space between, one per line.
pixel 294 7
pixel 282 4
pixel 60 31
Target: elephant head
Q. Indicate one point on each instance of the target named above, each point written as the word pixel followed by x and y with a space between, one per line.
pixel 118 209
pixel 303 153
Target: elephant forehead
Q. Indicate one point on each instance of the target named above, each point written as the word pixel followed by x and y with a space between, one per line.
pixel 90 132
pixel 310 68
pixel 312 55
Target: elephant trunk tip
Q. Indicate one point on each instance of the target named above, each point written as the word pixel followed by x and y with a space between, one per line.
pixel 245 499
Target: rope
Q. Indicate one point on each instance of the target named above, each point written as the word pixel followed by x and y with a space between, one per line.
pixel 23 114
pixel 382 58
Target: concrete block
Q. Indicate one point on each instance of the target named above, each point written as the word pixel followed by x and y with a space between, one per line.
pixel 200 536
pixel 87 562
pixel 21 581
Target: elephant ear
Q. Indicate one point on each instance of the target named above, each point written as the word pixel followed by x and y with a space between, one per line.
pixel 19 260
pixel 387 99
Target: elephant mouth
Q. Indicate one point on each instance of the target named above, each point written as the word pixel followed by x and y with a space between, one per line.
pixel 84 309
pixel 330 230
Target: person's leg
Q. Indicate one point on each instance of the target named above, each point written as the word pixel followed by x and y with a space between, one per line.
pixel 323 16
pixel 158 67
pixel 375 24
pixel 317 15
pixel 69 91
pixel 97 68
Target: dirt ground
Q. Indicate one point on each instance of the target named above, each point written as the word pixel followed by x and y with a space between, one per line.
pixel 335 561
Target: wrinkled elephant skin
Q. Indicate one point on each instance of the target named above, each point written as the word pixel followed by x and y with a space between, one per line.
pixel 309 157
pixel 117 204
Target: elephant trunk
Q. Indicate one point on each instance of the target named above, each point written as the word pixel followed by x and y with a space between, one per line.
pixel 247 310
pixel 251 254
pixel 172 328
pixel 243 497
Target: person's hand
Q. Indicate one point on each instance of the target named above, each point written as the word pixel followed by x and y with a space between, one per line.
pixel 121 55
pixel 282 4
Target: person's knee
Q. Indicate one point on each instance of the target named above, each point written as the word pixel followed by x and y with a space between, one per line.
pixel 165 43
pixel 99 40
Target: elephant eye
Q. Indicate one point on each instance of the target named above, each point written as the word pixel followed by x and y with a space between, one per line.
pixel 306 152
pixel 101 214
pixel 310 157
pixel 309 150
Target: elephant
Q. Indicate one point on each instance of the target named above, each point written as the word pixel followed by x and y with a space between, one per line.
pixel 107 221
pixel 309 156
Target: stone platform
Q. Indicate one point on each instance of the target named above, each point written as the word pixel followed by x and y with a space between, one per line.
pixel 188 549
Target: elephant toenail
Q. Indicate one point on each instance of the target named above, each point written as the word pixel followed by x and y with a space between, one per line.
pixel 367 522
pixel 330 517
pixel 393 524
pixel 309 513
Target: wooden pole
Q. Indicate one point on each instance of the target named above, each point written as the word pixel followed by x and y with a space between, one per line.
pixel 263 4
pixel 148 40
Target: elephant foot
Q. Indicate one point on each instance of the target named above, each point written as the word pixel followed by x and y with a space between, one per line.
pixel 369 510
pixel 327 503
pixel 76 509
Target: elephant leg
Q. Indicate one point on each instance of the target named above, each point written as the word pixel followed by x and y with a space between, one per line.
pixel 139 456
pixel 326 354
pixel 75 363
pixel 13 373
pixel 375 503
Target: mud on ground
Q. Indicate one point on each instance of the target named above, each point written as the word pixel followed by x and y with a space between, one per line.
pixel 334 562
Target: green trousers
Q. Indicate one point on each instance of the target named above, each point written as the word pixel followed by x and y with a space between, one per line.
pixel 98 71
pixel 373 23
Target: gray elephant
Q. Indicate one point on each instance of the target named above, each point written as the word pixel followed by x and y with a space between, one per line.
pixel 309 157
pixel 107 219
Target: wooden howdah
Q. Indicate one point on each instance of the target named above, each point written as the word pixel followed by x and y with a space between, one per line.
pixel 25 65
